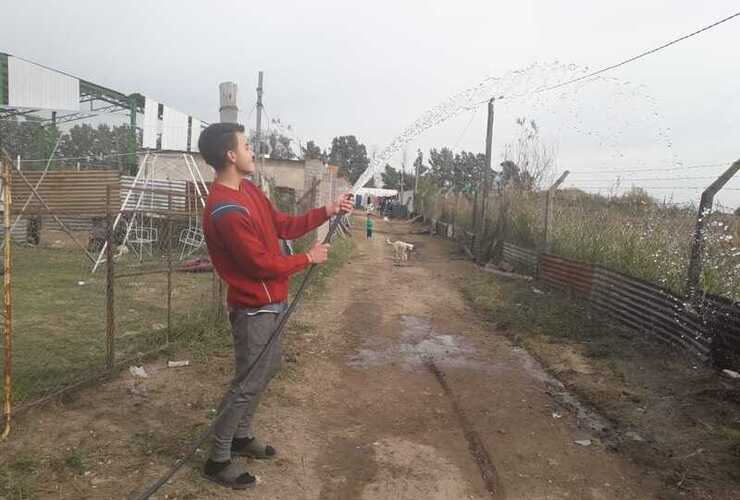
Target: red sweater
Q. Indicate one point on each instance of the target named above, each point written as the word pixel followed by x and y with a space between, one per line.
pixel 242 230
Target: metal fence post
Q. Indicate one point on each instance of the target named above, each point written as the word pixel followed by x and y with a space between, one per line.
pixel 110 324
pixel 169 266
pixel 7 298
pixel 697 246
pixel 549 206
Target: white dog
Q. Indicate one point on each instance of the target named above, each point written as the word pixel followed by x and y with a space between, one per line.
pixel 401 249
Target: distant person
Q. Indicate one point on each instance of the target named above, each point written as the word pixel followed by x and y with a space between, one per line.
pixel 242 229
pixel 369 226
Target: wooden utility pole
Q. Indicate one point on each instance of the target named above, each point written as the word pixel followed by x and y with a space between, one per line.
pixel 486 171
pixel 485 174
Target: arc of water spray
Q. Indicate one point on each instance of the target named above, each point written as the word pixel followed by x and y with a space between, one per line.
pixel 448 109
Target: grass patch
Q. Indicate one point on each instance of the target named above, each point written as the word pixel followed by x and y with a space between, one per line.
pixel 528 312
pixel 18 478
pixel 59 324
pixel 166 444
pixel 632 234
pixel 60 321
pixel 75 460
pixel 514 305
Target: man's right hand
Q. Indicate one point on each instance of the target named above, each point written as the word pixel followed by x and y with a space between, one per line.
pixel 319 253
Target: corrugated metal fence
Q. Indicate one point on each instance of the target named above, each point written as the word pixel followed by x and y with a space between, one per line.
pixel 73 196
pixel 155 197
pixel 523 260
pixel 712 333
pixel 66 192
pixel 78 196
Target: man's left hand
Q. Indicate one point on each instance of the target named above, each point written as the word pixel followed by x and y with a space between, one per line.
pixel 342 204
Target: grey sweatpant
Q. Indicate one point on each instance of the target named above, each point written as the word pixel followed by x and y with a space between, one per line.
pixel 250 334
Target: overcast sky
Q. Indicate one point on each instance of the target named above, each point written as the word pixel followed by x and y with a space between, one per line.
pixel 371 68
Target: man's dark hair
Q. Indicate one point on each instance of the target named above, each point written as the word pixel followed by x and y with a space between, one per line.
pixel 215 140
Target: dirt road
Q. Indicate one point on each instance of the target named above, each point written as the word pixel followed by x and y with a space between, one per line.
pixel 393 389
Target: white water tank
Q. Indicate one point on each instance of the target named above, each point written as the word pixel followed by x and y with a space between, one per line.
pixel 229 108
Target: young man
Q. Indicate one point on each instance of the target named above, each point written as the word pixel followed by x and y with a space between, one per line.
pixel 242 229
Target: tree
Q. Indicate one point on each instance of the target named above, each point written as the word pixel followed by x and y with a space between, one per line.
pixel 392 179
pixel 313 152
pixel 274 144
pixel 419 167
pixel 456 172
pixel 533 159
pixel 99 146
pixel 512 175
pixel 441 165
pixel 350 156
pixel 32 139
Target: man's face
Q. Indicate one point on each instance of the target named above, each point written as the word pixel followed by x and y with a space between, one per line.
pixel 243 156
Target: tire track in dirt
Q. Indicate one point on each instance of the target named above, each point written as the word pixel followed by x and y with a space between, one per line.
pixel 477 449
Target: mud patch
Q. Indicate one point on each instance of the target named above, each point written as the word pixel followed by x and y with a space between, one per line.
pixel 419 341
pixel 586 417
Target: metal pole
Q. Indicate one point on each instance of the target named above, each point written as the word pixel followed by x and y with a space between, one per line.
pixel 697 248
pixel 417 164
pixel 110 324
pixel 169 267
pixel 7 298
pixel 258 130
pixel 132 134
pixel 123 207
pixel 403 169
pixel 549 204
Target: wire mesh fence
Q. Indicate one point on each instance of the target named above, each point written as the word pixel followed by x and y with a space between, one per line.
pixel 605 249
pixel 72 325
pixel 630 234
pixel 106 270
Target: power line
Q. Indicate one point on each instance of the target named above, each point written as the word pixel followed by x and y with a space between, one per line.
pixel 647 170
pixel 250 114
pixel 465 130
pixel 639 56
pixel 86 157
pixel 629 179
pixel 662 188
pixel 100 157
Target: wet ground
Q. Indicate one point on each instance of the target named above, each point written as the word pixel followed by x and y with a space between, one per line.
pixel 393 388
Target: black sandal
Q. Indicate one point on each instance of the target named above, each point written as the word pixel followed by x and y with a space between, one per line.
pixel 228 474
pixel 252 448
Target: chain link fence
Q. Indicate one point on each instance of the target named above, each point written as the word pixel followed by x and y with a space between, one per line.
pixel 152 283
